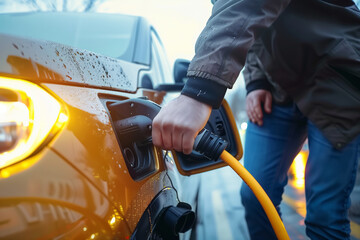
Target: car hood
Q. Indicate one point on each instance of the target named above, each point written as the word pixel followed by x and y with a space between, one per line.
pixel 51 62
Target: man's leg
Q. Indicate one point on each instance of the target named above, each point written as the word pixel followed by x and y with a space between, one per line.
pixel 269 152
pixel 329 179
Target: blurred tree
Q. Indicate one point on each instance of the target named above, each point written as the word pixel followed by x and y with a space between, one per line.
pixel 49 5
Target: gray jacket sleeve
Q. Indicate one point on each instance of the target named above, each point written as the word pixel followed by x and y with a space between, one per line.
pixel 254 75
pixel 231 30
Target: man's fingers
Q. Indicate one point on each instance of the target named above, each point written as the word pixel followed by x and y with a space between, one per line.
pixel 268 103
pixel 254 101
pixel 250 109
pixel 156 134
pixel 188 142
pixel 177 139
pixel 166 128
pixel 257 109
pixel 177 123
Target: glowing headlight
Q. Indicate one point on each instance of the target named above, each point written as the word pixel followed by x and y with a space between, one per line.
pixel 28 114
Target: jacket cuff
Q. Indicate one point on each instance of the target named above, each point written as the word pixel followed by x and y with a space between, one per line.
pixel 205 91
pixel 258 84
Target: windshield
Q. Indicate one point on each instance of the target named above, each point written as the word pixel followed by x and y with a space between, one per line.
pixel 107 34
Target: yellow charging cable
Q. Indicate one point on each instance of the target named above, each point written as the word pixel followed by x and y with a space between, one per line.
pixel 260 194
pixel 213 147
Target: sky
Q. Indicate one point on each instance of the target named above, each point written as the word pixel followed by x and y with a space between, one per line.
pixel 178 22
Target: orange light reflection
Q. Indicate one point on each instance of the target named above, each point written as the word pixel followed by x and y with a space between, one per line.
pixel 297 170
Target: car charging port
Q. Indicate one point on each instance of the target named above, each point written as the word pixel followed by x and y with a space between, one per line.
pixel 132 121
pixel 138 128
pixel 174 220
pixel 129 156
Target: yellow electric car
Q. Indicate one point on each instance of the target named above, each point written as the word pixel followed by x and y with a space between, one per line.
pixel 77 96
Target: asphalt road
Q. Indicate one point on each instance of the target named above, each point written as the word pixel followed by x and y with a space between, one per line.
pixel 220 215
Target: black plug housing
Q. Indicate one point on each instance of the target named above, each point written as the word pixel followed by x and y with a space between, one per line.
pixel 209 145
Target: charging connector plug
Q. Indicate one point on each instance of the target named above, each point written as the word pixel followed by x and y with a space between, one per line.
pixel 209 145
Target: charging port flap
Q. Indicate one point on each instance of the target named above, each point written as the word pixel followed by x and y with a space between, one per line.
pixel 222 124
pixel 132 120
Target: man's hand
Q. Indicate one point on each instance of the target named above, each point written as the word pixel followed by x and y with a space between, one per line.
pixel 178 123
pixel 254 101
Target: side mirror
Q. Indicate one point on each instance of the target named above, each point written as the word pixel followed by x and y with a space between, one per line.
pixel 146 82
pixel 180 70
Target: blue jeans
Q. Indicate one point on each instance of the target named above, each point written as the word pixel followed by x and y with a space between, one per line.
pixel 329 174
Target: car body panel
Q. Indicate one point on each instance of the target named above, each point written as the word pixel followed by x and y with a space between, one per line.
pixel 41 61
pixel 51 195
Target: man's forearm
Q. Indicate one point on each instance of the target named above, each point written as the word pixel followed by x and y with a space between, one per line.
pixel 230 32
